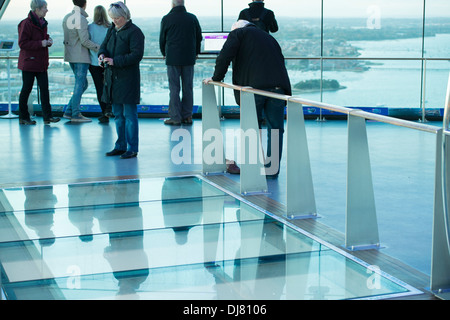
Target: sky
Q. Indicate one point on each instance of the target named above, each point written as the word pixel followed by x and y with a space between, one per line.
pixel 299 8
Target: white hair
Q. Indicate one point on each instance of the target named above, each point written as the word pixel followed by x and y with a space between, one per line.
pixel 239 24
pixel 177 3
pixel 37 4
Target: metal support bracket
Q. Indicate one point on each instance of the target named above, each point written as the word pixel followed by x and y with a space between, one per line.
pixel 253 178
pixel 301 203
pixel 211 128
pixel 361 226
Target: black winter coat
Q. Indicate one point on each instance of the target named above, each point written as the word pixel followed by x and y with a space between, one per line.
pixel 123 79
pixel 258 61
pixel 180 37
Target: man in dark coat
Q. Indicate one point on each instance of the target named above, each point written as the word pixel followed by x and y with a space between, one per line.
pixel 120 54
pixel 261 17
pixel 258 62
pixel 180 41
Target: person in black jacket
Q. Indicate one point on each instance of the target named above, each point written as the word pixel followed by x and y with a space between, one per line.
pixel 263 18
pixel 179 41
pixel 258 62
pixel 120 55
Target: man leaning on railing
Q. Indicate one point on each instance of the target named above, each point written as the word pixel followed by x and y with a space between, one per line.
pixel 258 62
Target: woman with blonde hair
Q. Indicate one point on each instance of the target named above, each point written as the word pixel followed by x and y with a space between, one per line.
pixel 120 54
pixel 97 31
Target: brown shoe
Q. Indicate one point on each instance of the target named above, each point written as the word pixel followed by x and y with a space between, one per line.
pixel 171 122
pixel 232 167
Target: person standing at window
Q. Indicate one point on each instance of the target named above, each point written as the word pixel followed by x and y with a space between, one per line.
pixel 179 41
pixel 97 31
pixel 120 54
pixel 76 52
pixel 261 17
pixel 33 61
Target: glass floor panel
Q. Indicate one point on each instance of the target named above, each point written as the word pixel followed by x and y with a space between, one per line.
pixel 167 238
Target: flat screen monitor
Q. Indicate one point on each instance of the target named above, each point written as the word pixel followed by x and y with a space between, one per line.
pixel 7 45
pixel 212 42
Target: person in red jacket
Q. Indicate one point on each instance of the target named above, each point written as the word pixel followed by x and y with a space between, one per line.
pixel 33 61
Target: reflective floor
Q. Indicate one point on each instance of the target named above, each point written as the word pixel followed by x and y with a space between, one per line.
pixel 167 238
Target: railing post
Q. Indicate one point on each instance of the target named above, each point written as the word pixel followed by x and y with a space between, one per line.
pixel 440 261
pixel 211 128
pixel 361 219
pixel 440 253
pixel 300 200
pixel 253 178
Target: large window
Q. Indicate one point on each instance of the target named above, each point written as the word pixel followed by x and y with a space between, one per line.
pixel 357 53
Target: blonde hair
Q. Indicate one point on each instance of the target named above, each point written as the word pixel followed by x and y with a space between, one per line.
pixel 101 17
pixel 119 9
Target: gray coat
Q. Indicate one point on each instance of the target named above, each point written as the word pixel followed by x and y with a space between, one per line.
pixel 76 37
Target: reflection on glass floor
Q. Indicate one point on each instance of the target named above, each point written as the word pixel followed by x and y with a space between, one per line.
pixel 166 238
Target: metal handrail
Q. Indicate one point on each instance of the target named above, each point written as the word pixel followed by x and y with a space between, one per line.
pixel 334 108
pixel 213 57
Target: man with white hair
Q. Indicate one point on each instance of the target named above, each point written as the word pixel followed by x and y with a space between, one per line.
pixel 180 40
pixel 258 62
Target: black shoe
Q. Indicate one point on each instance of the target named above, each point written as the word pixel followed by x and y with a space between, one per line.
pixel 171 122
pixel 50 120
pixel 115 152
pixel 187 121
pixel 103 119
pixel 128 155
pixel 27 122
pixel 109 114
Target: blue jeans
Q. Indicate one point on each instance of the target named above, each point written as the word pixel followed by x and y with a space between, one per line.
pixel 127 127
pixel 180 109
pixel 81 83
pixel 273 110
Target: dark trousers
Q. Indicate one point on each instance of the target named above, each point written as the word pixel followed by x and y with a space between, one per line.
pixel 273 110
pixel 97 77
pixel 27 86
pixel 180 109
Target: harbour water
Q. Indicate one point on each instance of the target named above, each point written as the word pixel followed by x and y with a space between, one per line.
pixel 390 83
pixel 387 83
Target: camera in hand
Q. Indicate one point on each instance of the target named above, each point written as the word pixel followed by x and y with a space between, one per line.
pixel 103 63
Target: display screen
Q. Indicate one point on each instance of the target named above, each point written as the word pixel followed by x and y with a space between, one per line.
pixel 6 45
pixel 212 42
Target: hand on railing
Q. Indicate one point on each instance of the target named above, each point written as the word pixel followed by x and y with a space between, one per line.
pixel 207 80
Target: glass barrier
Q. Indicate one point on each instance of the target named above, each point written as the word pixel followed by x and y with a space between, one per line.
pixel 392 38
